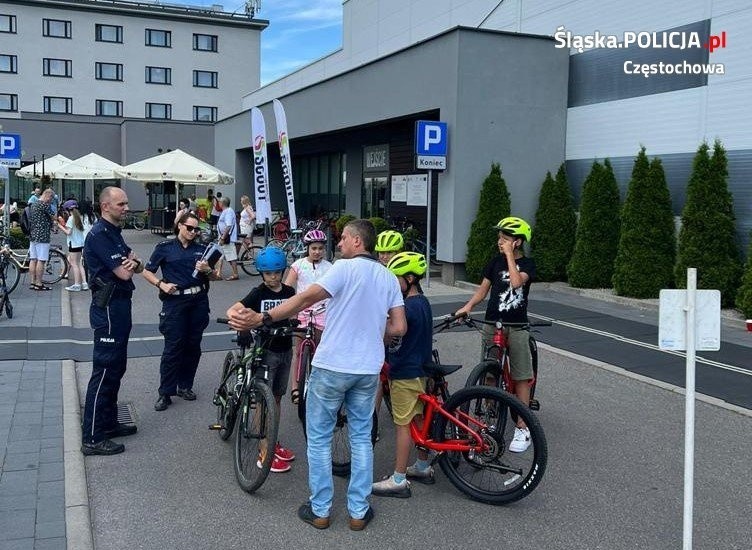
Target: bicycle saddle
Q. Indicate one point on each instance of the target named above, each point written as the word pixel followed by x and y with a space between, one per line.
pixel 432 369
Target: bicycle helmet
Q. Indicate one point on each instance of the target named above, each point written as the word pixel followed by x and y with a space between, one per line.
pixel 314 236
pixel 271 258
pixel 516 227
pixel 405 263
pixel 389 241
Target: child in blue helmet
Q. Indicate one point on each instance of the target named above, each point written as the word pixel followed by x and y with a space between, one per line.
pixel 271 263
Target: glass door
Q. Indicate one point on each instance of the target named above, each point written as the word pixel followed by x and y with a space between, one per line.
pixel 374 196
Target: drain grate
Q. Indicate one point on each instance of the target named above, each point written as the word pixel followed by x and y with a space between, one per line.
pixel 125 414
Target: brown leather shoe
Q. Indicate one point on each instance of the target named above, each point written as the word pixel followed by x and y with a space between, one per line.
pixel 305 512
pixel 360 524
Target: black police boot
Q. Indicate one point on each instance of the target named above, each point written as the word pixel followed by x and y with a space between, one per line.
pixel 162 403
pixel 121 430
pixel 104 447
pixel 188 395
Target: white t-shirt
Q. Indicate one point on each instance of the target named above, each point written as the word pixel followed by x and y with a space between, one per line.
pixel 227 219
pixel 363 291
pixel 309 273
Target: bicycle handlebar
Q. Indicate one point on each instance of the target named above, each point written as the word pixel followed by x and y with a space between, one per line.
pixel 457 320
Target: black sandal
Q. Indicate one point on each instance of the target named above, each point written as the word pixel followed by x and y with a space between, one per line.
pixel 295 396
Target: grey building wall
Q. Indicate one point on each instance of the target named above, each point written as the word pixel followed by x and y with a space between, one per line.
pixel 502 95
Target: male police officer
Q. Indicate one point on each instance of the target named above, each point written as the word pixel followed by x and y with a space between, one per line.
pixel 111 265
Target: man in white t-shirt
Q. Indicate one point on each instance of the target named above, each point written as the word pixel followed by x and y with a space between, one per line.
pixel 228 236
pixel 365 306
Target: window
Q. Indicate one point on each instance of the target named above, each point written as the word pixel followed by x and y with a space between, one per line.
pixel 204 114
pixel 205 79
pixel 205 42
pixel 8 102
pixel 57 67
pixel 108 107
pixel 158 75
pixel 161 39
pixel 108 33
pixel 58 104
pixel 56 28
pixel 8 63
pixel 108 71
pixel 8 23
pixel 159 110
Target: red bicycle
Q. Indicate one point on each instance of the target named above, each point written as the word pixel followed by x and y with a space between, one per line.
pixel 470 432
pixel 494 370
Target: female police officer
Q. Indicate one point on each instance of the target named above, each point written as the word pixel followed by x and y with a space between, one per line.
pixel 183 290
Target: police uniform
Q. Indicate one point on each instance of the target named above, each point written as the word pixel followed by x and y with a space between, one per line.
pixel 185 313
pixel 104 251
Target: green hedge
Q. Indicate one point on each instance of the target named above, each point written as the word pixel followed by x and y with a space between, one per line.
pixel 744 294
pixel 555 225
pixel 493 205
pixel 707 240
pixel 592 263
pixel 647 243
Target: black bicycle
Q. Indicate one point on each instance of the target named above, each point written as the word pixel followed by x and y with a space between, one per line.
pixel 244 397
pixel 5 304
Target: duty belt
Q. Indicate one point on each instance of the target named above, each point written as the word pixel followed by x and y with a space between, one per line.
pixel 190 290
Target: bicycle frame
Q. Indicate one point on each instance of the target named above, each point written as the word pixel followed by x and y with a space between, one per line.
pixel 421 435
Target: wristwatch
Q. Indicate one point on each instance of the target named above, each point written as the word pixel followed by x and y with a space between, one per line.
pixel 267 319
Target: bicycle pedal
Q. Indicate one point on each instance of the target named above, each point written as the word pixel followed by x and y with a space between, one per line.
pixel 534 405
pixel 215 427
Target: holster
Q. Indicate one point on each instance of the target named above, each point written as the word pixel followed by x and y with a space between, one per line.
pixel 102 292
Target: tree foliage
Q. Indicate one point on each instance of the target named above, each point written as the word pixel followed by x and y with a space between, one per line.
pixel 707 240
pixel 494 204
pixel 597 236
pixel 647 243
pixel 555 225
pixel 744 294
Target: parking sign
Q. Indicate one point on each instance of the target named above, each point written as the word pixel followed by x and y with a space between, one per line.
pixel 431 144
pixel 10 150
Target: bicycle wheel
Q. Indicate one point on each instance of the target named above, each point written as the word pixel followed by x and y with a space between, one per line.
pixel 56 267
pixel 341 454
pixel 12 276
pixel 534 354
pixel 224 396
pixel 304 372
pixel 8 307
pixel 138 221
pixel 487 373
pixel 491 473
pixel 248 259
pixel 256 436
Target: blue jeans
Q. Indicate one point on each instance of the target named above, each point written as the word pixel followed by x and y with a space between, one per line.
pixel 327 390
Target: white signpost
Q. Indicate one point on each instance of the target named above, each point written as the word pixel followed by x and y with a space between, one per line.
pixel 689 320
pixel 431 145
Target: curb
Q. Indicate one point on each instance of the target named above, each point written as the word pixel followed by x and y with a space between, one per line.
pixel 77 513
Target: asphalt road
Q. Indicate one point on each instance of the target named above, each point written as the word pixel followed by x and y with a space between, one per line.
pixel 614 479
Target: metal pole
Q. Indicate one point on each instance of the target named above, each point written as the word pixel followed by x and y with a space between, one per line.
pixel 5 176
pixel 689 412
pixel 428 232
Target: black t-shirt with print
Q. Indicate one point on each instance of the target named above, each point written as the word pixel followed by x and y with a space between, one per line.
pixel 505 303
pixel 262 299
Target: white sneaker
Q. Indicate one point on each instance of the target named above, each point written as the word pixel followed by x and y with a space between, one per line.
pixel 521 440
pixel 73 288
pixel 84 286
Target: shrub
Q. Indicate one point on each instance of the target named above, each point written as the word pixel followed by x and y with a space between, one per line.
pixel 493 205
pixel 647 244
pixel 707 240
pixel 379 224
pixel 342 221
pixel 592 263
pixel 17 239
pixel 409 236
pixel 555 226
pixel 744 294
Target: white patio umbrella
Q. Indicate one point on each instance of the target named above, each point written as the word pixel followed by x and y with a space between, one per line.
pixel 88 167
pixel 176 166
pixel 48 166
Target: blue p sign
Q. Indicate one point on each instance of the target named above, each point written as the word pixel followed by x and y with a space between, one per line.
pixel 431 138
pixel 10 150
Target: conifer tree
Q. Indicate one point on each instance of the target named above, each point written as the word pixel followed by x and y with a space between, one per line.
pixel 555 226
pixel 647 244
pixel 744 294
pixel 493 205
pixel 592 263
pixel 707 240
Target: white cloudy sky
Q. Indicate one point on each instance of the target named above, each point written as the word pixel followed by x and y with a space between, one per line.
pixel 299 31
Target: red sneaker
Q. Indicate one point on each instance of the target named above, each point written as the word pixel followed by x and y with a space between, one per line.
pixel 279 466
pixel 283 454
